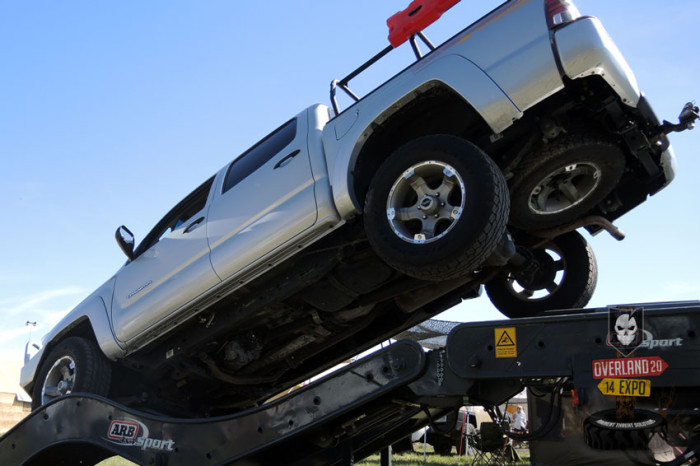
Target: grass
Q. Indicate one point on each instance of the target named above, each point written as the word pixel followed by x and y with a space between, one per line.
pixel 417 458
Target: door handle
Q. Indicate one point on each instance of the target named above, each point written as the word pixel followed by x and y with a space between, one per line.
pixel 285 160
pixel 193 225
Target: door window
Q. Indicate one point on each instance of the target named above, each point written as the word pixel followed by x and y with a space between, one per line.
pixel 179 215
pixel 256 156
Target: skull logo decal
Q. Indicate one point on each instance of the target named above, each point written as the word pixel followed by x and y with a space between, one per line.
pixel 625 328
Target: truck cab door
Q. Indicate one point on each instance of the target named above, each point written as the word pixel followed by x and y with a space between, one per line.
pixel 265 199
pixel 170 268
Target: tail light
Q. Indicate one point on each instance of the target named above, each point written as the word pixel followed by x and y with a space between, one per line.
pixel 560 12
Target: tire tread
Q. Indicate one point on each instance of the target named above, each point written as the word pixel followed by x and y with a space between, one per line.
pixel 94 376
pixel 548 156
pixel 472 255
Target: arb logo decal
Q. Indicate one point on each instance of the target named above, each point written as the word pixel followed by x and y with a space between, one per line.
pixel 132 433
pixel 124 431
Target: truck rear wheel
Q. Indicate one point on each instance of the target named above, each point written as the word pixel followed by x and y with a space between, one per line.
pixel 74 365
pixel 436 208
pixel 560 274
pixel 563 180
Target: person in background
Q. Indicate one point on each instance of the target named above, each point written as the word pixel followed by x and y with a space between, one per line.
pixel 519 421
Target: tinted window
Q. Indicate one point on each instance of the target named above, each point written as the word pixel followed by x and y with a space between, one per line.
pixel 181 213
pixel 260 153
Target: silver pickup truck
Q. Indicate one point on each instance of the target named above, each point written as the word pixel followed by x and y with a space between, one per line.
pixel 472 167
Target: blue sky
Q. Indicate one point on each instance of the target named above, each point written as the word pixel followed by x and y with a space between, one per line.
pixel 111 112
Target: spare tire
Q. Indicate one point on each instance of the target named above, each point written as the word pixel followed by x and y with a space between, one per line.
pixel 560 274
pixel 603 432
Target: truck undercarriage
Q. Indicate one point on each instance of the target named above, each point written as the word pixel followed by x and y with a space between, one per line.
pixel 338 298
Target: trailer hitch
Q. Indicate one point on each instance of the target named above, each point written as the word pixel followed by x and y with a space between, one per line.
pixel 686 120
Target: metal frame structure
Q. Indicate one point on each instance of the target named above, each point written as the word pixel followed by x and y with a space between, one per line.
pixel 370 404
pixel 344 83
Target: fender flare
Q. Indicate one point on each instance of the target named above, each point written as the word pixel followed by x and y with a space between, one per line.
pixel 345 136
pixel 92 311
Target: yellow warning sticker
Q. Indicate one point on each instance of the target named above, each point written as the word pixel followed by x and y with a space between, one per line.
pixel 506 343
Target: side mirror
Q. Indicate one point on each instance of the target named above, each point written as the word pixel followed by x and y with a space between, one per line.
pixel 125 240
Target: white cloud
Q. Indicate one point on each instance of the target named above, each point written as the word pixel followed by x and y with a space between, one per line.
pixel 32 303
pixel 7 335
pixel 46 308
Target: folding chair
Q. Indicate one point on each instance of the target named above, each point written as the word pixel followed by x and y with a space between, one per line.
pixel 489 444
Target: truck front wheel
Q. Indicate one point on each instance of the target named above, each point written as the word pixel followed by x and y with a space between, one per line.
pixel 436 208
pixel 74 365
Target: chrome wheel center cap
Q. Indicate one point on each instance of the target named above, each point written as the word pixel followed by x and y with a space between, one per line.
pixel 429 205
